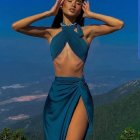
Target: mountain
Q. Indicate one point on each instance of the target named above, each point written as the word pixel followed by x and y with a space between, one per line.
pixel 110 117
pixel 118 92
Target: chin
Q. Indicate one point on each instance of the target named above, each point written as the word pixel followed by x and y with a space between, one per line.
pixel 71 14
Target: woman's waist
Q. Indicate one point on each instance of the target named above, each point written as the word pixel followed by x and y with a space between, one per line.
pixel 68 70
pixel 68 65
pixel 64 73
pixel 69 78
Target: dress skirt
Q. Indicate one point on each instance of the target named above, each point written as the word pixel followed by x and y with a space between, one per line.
pixel 60 104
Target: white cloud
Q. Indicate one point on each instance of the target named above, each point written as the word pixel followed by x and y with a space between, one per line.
pixel 18 117
pixel 23 99
pixel 13 86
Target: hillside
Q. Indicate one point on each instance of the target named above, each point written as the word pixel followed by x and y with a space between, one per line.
pixel 110 118
pixel 118 92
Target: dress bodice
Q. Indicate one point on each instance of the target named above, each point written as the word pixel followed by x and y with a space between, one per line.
pixel 74 38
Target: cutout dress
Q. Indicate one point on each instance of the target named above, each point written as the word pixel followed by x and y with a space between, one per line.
pixel 65 92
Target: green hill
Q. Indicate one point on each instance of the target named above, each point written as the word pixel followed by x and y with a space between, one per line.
pixel 116 93
pixel 111 119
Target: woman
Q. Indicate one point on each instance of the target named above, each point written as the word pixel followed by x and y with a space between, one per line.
pixel 68 111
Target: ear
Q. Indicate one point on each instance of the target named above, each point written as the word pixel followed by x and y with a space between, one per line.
pixel 61 6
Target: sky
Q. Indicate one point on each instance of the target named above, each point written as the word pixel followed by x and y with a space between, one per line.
pixel 11 11
pixel 139 28
pixel 122 45
pixel 113 58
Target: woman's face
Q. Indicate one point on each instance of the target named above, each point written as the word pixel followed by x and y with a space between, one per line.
pixel 72 7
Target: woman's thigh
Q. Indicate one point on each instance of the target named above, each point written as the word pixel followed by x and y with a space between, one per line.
pixel 78 123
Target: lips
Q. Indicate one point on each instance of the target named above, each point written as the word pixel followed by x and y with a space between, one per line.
pixel 72 9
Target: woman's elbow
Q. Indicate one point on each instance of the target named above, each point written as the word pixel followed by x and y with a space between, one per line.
pixel 120 25
pixel 14 26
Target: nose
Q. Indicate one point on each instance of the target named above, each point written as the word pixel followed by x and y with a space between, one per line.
pixel 73 3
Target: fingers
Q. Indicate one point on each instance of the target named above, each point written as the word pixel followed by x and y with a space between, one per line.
pixel 61 2
pixel 85 4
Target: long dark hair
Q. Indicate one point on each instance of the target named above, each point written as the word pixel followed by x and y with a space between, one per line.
pixel 59 18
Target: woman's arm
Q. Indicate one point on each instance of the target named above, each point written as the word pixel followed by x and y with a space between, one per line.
pixel 111 24
pixel 23 25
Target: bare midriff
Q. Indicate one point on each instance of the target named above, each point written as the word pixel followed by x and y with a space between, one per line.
pixel 68 64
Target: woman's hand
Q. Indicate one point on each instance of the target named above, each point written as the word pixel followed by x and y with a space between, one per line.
pixel 86 9
pixel 55 8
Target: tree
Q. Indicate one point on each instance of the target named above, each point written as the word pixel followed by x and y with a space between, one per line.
pixel 130 134
pixel 8 134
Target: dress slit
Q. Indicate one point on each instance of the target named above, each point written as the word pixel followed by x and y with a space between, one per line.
pixel 62 100
pixel 73 111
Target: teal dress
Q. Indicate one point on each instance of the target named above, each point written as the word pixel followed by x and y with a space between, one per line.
pixel 65 92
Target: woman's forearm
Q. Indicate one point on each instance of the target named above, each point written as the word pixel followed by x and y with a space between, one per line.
pixel 107 19
pixel 29 20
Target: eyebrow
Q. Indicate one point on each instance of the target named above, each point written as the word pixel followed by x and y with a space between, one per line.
pixel 79 0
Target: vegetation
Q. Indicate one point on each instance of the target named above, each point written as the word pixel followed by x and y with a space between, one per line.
pixel 117 120
pixel 130 134
pixel 111 119
pixel 8 134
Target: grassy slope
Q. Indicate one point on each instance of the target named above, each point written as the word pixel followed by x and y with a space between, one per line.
pixel 112 118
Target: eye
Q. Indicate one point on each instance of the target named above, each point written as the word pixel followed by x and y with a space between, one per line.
pixel 79 2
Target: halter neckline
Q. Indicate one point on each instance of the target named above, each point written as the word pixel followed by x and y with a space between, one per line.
pixel 68 25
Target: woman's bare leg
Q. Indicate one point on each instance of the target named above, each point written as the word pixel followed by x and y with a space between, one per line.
pixel 79 122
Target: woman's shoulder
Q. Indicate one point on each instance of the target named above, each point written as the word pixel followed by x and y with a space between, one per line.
pixel 86 29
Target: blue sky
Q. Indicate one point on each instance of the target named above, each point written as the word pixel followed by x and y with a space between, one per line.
pixel 139 27
pixel 121 45
pixel 11 11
